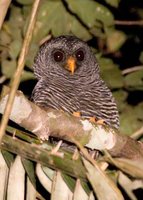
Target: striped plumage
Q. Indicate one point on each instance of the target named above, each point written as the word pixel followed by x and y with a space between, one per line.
pixel 83 91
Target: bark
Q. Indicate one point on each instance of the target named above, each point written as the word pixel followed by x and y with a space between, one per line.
pixel 65 126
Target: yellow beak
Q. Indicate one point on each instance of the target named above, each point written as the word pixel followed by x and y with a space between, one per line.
pixel 71 65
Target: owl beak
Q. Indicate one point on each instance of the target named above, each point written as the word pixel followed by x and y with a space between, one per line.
pixel 71 64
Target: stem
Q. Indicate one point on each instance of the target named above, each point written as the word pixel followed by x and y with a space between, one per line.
pixel 18 72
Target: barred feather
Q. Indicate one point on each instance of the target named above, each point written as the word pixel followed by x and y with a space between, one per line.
pixel 84 91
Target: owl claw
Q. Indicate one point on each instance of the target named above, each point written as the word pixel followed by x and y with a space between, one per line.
pixel 44 137
pixel 94 120
pixel 77 114
pixel 101 121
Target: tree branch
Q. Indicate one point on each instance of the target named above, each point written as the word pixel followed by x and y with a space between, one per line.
pixel 65 126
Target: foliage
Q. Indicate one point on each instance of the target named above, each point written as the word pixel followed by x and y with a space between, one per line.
pixel 117 47
pixel 91 21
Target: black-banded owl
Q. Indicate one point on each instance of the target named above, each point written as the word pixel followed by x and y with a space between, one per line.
pixel 69 80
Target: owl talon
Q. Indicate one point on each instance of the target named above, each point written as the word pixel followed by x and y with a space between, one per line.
pixel 77 114
pixel 92 119
pixel 101 121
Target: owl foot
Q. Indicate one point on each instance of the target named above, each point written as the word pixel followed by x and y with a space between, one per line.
pixel 55 152
pixel 94 120
pixel 100 121
pixel 77 114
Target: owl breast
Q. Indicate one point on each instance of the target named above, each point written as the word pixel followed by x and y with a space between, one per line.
pixel 91 101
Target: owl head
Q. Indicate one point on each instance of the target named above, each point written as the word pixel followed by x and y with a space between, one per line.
pixel 66 56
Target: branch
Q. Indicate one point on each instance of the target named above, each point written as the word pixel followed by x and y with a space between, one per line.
pixel 20 66
pixel 42 155
pixel 129 23
pixel 65 126
pixel 132 69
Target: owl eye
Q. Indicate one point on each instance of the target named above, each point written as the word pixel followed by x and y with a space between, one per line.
pixel 58 55
pixel 80 55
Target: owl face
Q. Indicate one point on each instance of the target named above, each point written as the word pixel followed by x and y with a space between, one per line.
pixel 65 55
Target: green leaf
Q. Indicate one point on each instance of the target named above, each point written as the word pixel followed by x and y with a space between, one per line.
pixel 8 68
pixel 130 119
pixel 110 73
pixel 5 38
pixel 30 170
pixel 141 57
pixel 134 80
pixel 25 2
pixel 14 48
pixel 31 54
pixel 114 3
pixel 58 23
pixel 9 157
pixel 113 77
pixel 120 97
pixel 27 76
pixel 69 181
pixel 115 39
pixel 90 11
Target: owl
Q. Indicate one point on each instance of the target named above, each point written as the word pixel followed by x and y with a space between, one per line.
pixel 69 79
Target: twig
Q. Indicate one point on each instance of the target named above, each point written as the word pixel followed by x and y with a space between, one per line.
pixel 4 4
pixel 132 69
pixel 138 133
pixel 18 72
pixel 129 23
pixel 2 79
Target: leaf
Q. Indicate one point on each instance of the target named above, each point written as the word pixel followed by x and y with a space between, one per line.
pixel 141 57
pixel 31 54
pixel 120 97
pixel 16 181
pixel 59 189
pixel 133 168
pixel 3 177
pixel 8 68
pixel 79 193
pixel 44 178
pixel 115 39
pixel 114 3
pixel 90 11
pixel 25 2
pixel 27 76
pixel 130 120
pixel 71 182
pixel 30 170
pixel 110 72
pixel 134 80
pixel 60 23
pixel 9 157
pixel 102 185
pixel 113 77
pixel 5 38
pixel 126 184
pixel 14 48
